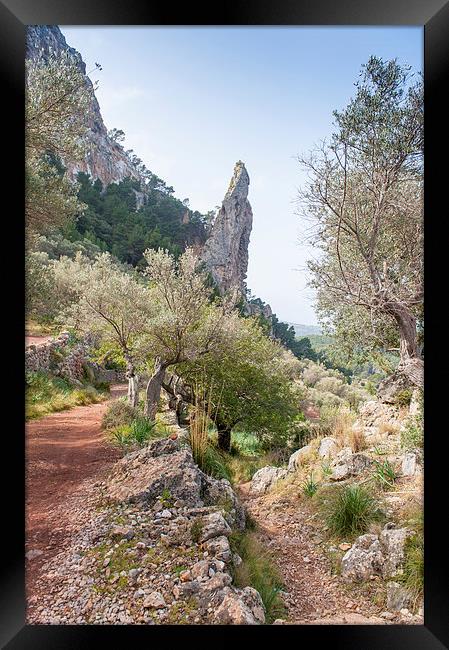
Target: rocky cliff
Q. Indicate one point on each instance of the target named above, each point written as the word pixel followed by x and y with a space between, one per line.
pixel 105 158
pixel 225 252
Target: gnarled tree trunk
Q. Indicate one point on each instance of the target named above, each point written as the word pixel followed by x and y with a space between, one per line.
pixel 153 390
pixel 410 365
pixel 133 384
pixel 224 437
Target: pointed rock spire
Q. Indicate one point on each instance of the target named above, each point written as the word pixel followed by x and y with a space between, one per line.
pixel 225 252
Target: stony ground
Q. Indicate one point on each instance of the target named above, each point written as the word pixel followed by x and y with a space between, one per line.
pixel 65 454
pixel 313 592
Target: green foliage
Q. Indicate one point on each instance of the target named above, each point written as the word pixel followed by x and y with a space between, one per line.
pixel 403 397
pixel 412 434
pixel 196 529
pixel 114 223
pixel 258 570
pixel 384 474
pixel 48 394
pixel 142 430
pixel 309 487
pixel 109 355
pixel 349 510
pixel 214 463
pixel 57 110
pixel 117 414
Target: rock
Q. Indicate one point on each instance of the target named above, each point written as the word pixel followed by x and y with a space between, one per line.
pixel 415 406
pixel 408 465
pixel 297 458
pixel 186 589
pixel 348 464
pixel 185 576
pixel 35 552
pixel 364 558
pixel 264 479
pixel 214 525
pixel 344 547
pixel 200 569
pixel 398 597
pixel 218 581
pixel 104 158
pixel 328 448
pixel 219 547
pixel 392 541
pixel 220 492
pixel 240 608
pixel 225 252
pixel 341 467
pixel 143 475
pixel 155 600
pixel 122 532
pixel 166 514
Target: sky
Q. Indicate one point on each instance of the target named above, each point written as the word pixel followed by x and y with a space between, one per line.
pixel 194 101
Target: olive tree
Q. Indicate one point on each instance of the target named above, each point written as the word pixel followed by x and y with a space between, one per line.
pixel 186 325
pixel 57 108
pixel 364 196
pixel 105 298
pixel 245 380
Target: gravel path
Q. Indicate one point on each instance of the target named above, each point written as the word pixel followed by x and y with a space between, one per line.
pixel 313 594
pixel 65 454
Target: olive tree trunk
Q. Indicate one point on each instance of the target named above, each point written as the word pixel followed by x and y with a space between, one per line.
pixel 153 390
pixel 224 437
pixel 133 384
pixel 410 364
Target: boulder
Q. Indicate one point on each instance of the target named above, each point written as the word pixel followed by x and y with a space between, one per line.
pixel 220 492
pixel 240 607
pixel 264 479
pixel 348 464
pixel 219 547
pixel 144 474
pixel 364 559
pixel 328 448
pixel 214 525
pixel 392 541
pixel 297 458
pixel 155 600
pixel 398 597
pixel 408 465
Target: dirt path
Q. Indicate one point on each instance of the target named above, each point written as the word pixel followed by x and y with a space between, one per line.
pixel 312 594
pixel 65 454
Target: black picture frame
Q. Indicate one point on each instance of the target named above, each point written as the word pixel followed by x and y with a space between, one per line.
pixel 15 15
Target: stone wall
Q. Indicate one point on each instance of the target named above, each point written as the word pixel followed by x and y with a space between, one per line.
pixel 54 356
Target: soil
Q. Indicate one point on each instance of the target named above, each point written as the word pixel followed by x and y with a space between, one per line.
pixel 312 593
pixel 65 452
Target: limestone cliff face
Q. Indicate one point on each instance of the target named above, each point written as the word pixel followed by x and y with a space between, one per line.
pixel 225 252
pixel 105 159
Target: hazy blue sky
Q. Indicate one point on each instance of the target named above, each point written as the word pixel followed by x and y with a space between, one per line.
pixel 193 101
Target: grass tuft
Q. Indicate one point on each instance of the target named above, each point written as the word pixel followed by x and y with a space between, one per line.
pixel 257 570
pixel 349 510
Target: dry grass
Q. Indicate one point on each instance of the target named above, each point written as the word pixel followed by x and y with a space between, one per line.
pixel 357 440
pixel 388 428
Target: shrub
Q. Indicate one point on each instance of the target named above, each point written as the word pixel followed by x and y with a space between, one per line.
pixel 349 510
pixel 214 463
pixel 142 429
pixel 412 435
pixel 384 474
pixel 357 440
pixel 336 421
pixel 48 394
pixel 257 570
pixel 118 413
pixel 309 487
pixel 403 397
pixel 413 575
